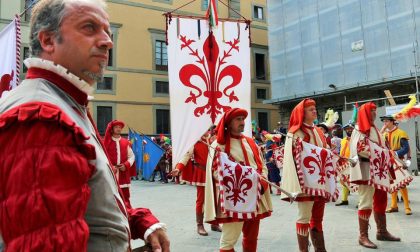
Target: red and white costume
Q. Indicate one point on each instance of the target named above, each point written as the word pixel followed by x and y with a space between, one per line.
pixel 243 150
pixel 120 152
pixel 58 188
pixel 310 208
pixel 369 197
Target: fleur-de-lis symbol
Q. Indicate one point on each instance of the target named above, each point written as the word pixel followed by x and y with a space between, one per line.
pixel 237 184
pixel 321 163
pixel 211 69
pixel 380 163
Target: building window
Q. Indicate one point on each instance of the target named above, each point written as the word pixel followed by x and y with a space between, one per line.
pixel 26 55
pixel 162 87
pixel 260 66
pixel 28 7
pixel 163 125
pixel 105 84
pixel 263 120
pixel 205 4
pixel 261 94
pixel 111 54
pixel 235 6
pixel 163 1
pixel 103 117
pixel 161 55
pixel 259 12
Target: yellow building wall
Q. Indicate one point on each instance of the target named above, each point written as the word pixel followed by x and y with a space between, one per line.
pixel 134 52
pixel 133 98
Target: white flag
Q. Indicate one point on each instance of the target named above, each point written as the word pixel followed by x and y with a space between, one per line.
pixel 10 56
pixel 209 73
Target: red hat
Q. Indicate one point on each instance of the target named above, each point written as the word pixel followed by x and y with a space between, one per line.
pixel 364 117
pixel 298 113
pixel 109 129
pixel 225 120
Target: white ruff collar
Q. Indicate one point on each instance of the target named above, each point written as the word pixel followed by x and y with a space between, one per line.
pixel 63 72
pixel 116 139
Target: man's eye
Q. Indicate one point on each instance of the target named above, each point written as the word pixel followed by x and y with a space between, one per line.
pixel 89 27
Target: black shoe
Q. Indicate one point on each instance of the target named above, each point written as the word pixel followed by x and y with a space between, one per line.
pixel 342 203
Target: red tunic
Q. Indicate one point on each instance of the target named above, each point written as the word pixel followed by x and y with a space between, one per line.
pixel 124 177
pixel 44 175
pixel 193 165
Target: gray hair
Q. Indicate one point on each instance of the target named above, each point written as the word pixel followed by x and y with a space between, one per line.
pixel 47 15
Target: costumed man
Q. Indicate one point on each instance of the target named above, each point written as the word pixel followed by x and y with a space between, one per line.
pixel 242 150
pixel 310 208
pixel 345 152
pixel 370 198
pixel 194 164
pixel 273 170
pixel 69 200
pixel 397 140
pixel 121 156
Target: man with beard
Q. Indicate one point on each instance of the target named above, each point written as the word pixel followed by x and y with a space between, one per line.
pixel 242 150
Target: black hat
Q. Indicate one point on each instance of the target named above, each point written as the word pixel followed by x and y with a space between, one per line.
pixel 348 125
pixel 322 125
pixel 387 117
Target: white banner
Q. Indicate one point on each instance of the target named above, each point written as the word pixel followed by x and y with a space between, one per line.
pixel 239 189
pixel 10 56
pixel 208 75
pixel 316 170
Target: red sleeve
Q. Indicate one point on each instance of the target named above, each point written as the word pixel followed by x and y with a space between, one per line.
pixel 44 173
pixel 140 219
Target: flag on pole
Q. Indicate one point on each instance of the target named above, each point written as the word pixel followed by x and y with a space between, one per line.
pixel 208 76
pixel 211 14
pixel 10 56
pixel 151 153
pixel 136 146
pixel 355 112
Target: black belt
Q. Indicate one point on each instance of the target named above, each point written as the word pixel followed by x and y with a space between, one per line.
pixel 363 159
pixel 199 166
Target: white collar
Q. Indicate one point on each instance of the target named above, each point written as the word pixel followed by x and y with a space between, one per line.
pixel 60 70
pixel 116 139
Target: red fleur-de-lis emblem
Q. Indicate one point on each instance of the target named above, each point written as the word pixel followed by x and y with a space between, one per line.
pixel 211 68
pixel 236 183
pixel 380 164
pixel 321 163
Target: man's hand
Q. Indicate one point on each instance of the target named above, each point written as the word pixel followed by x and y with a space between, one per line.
pixel 175 172
pixel 121 167
pixel 383 129
pixel 159 241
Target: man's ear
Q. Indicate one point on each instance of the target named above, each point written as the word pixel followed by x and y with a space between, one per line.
pixel 47 41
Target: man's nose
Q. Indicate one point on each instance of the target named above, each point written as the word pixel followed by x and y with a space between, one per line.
pixel 105 41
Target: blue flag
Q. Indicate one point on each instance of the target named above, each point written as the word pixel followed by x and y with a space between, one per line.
pixel 136 145
pixel 151 156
